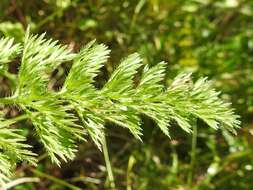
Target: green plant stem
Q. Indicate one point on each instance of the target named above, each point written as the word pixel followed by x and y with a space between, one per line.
pixel 16 182
pixel 7 100
pixel 107 163
pixel 131 162
pixel 56 180
pixel 193 155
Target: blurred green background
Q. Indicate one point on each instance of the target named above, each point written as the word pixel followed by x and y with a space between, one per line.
pixel 211 38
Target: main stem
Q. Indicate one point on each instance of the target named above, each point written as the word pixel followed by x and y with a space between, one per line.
pixel 193 155
pixel 20 181
pixel 108 164
pixel 6 100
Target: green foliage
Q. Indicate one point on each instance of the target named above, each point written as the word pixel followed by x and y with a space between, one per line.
pixel 8 52
pixel 61 118
pixel 13 148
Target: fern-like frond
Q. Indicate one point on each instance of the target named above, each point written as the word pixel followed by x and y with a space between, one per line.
pixel 40 57
pixel 151 80
pixel 121 81
pixel 6 167
pixel 210 108
pixel 13 148
pixel 8 50
pixel 55 127
pixel 199 100
pixel 79 89
pixel 85 68
pixel 61 118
